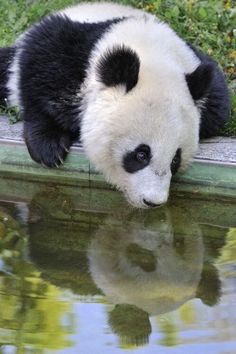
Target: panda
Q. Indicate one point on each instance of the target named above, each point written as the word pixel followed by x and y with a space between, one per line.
pixel 136 94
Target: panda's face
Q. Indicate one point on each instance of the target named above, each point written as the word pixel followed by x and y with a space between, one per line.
pixel 144 146
pixel 146 153
pixel 139 131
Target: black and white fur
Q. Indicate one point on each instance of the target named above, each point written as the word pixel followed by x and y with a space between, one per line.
pixel 134 92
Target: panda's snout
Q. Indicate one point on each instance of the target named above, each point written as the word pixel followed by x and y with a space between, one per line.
pixel 151 204
pixel 144 189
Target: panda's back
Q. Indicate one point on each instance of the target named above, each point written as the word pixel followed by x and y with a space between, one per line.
pixel 102 11
pixel 56 53
pixel 53 54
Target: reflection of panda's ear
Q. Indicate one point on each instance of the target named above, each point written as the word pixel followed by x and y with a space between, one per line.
pixel 199 82
pixel 209 287
pixel 119 66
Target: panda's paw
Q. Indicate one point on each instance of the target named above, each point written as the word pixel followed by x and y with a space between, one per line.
pixel 49 150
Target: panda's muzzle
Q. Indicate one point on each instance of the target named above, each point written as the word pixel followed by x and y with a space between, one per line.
pixel 151 204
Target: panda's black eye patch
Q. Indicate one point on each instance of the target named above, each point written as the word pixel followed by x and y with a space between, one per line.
pixel 175 164
pixel 137 159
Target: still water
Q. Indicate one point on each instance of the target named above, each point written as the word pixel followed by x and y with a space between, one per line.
pixel 90 282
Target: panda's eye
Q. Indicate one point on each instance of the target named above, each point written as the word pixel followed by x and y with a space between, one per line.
pixel 137 159
pixel 175 164
pixel 142 156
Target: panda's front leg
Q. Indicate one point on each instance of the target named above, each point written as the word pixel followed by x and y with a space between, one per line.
pixel 47 142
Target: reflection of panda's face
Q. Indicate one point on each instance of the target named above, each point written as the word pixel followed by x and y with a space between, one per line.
pixel 156 267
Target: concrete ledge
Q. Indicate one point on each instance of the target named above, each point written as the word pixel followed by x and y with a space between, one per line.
pixel 213 172
pixel 218 149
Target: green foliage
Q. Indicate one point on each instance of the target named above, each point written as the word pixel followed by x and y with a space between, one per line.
pixel 17 16
pixel 207 24
pixel 13 113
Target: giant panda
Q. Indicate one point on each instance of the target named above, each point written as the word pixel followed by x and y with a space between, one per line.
pixel 136 94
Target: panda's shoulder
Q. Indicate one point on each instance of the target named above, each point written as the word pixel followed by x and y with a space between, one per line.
pixel 55 26
pixel 57 34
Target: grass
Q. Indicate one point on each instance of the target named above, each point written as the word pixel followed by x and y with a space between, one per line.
pixel 207 24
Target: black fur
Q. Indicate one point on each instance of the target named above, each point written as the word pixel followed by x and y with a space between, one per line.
pixel 53 65
pixel 216 110
pixel 133 163
pixel 6 56
pixel 136 160
pixel 119 65
pixel 200 81
pixel 176 162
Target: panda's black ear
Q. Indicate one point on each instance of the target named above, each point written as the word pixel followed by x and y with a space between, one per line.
pixel 119 65
pixel 200 81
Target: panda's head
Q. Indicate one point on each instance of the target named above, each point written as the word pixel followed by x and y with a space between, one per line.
pixel 141 121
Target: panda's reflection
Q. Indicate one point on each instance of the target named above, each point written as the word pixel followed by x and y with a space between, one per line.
pixel 145 263
pixel 153 268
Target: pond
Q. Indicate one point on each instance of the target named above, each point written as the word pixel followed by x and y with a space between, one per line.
pixel 93 280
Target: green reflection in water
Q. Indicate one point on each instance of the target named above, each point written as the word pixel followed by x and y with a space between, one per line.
pixel 228 253
pixel 140 263
pixel 169 330
pixel 31 309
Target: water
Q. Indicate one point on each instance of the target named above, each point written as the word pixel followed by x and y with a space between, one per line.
pixel 98 281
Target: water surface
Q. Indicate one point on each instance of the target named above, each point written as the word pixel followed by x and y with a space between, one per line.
pixel 90 281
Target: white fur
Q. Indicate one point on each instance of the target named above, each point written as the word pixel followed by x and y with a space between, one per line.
pixel 102 11
pixel 13 98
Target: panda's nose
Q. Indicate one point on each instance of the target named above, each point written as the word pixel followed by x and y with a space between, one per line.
pixel 151 204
